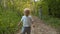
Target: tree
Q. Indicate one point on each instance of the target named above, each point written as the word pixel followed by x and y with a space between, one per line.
pixel 53 6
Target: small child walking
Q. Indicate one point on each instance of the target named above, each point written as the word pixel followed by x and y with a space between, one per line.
pixel 27 21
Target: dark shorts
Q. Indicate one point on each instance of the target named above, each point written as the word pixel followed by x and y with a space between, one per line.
pixel 26 30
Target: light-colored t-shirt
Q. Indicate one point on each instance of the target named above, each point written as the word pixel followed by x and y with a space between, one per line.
pixel 27 20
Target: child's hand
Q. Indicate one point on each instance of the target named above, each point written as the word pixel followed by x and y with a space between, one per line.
pixel 19 24
pixel 33 26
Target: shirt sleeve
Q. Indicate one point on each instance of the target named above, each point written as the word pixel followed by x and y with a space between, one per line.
pixel 31 18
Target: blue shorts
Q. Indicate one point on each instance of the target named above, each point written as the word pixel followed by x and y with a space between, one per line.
pixel 26 30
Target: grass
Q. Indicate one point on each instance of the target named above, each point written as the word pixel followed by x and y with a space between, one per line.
pixel 54 22
pixel 8 21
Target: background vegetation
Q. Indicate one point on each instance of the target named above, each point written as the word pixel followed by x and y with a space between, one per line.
pixel 11 12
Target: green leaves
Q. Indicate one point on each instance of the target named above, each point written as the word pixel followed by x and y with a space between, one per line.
pixel 54 5
pixel 11 15
pixel 8 19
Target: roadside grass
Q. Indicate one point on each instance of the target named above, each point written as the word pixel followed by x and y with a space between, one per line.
pixel 52 21
pixel 9 21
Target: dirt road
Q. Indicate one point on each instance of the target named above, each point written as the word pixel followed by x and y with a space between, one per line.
pixel 41 28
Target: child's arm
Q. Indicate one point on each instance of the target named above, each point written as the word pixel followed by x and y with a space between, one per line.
pixel 33 23
pixel 19 23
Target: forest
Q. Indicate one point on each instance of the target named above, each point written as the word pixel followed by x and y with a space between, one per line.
pixel 11 12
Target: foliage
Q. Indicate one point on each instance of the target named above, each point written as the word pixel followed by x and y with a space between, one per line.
pixel 11 12
pixel 51 21
pixel 53 7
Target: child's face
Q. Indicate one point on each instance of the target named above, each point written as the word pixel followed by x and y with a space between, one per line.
pixel 27 12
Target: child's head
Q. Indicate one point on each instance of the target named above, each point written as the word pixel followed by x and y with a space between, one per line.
pixel 26 11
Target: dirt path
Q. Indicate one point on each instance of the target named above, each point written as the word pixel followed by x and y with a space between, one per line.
pixel 41 28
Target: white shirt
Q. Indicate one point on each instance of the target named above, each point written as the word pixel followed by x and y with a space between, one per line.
pixel 27 20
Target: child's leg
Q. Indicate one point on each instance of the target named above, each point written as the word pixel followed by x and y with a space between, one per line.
pixel 28 30
pixel 23 30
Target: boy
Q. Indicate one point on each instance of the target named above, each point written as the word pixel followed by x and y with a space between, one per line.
pixel 27 21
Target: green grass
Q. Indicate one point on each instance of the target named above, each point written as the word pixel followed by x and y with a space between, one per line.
pixel 8 21
pixel 52 21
